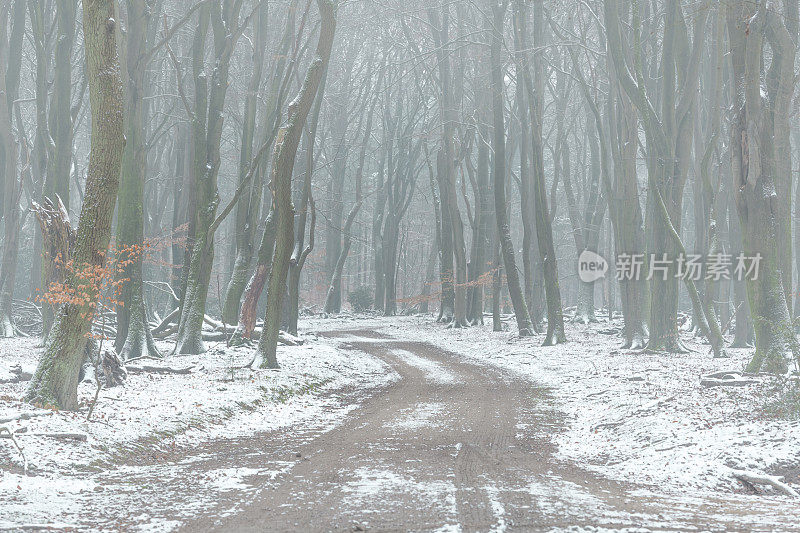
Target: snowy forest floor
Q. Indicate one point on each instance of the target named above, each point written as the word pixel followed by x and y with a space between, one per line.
pixel 151 458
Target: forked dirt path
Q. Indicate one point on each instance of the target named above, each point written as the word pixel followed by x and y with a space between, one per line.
pixel 451 446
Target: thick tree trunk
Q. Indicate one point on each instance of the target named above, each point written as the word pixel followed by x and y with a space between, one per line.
pixel 743 328
pixel 669 141
pixel 300 252
pixel 481 244
pixel 58 168
pixel 446 268
pixel 622 193
pixel 296 263
pixel 594 211
pixel 59 140
pixel 626 217
pixel 754 169
pixel 55 382
pixel 377 225
pixel 41 146
pixel 446 171
pixel 390 237
pixel 497 287
pixel 283 164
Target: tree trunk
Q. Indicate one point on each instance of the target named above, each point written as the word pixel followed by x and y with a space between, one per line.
pixel 207 131
pixel 12 187
pixel 499 178
pixel 754 168
pixel 134 338
pixel 41 144
pixel 55 382
pixel 247 209
pixel 446 268
pixel 58 168
pixel 255 286
pixel 336 282
pixel 544 231
pixel 283 164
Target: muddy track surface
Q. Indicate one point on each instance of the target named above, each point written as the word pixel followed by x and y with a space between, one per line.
pixel 453 445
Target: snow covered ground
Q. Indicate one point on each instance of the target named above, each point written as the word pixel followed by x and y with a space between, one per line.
pixel 152 412
pixel 636 416
pixel 630 416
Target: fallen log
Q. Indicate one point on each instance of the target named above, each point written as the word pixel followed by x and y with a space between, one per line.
pixel 6 433
pixel 775 482
pixel 25 416
pixel 164 333
pixel 216 324
pixel 215 336
pixel 19 375
pixel 283 338
pixel 158 369
pixel 289 340
pixel 63 436
pixel 726 379
pixel 169 319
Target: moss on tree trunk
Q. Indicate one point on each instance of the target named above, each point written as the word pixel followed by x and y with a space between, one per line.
pixel 55 382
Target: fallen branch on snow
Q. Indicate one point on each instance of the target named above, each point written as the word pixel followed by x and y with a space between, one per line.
pixel 775 482
pixel 158 369
pixel 39 527
pixel 216 324
pixel 725 379
pixel 25 416
pixel 61 436
pixel 289 340
pixel 629 416
pixel 163 334
pixel 284 338
pixel 170 318
pixel 132 359
pixel 7 434
pixel 19 375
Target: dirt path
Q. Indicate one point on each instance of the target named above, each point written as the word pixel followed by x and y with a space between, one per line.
pixel 452 446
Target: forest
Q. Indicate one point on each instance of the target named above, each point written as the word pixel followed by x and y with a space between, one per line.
pixel 250 196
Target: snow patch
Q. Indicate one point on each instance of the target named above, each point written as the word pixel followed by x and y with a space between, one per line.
pixel 421 415
pixel 73 482
pixel 434 372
